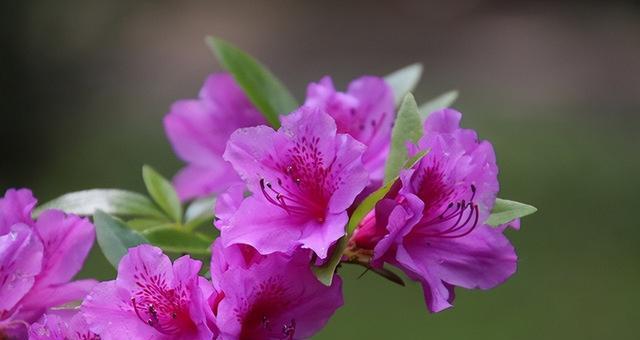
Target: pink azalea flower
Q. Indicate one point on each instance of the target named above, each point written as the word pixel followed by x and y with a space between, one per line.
pixel 270 297
pixel 151 299
pixel 37 260
pixel 432 222
pixel 63 324
pixel 303 178
pixel 199 129
pixel 366 112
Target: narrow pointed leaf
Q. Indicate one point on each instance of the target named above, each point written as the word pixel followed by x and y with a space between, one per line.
pixel 440 102
pixel 163 193
pixel 112 201
pixel 408 127
pixel 505 211
pixel 404 80
pixel 264 90
pixel 115 237
pixel 178 240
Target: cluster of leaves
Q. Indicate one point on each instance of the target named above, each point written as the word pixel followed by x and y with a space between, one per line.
pixel 124 219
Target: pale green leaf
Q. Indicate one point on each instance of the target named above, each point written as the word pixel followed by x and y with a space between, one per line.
pixel 407 128
pixel 404 80
pixel 199 208
pixel 440 102
pixel 505 211
pixel 112 201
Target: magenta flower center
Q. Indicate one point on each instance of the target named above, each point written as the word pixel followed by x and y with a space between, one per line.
pixel 262 317
pixel 305 184
pixel 458 219
pixel 161 307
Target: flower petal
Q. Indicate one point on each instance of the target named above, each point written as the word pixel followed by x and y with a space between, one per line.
pixel 20 261
pixel 16 207
pixel 109 313
pixel 269 231
pixel 67 240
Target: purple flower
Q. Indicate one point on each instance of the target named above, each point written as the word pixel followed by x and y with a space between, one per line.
pixel 431 224
pixel 270 297
pixel 64 324
pixel 199 129
pixel 38 259
pixel 366 112
pixel 303 178
pixel 151 299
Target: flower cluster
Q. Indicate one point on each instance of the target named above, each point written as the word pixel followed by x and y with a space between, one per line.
pixel 284 199
pixel 38 258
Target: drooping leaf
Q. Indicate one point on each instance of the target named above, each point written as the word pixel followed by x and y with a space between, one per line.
pixel 264 90
pixel 404 80
pixel 178 240
pixel 163 193
pixel 505 211
pixel 408 127
pixel 440 102
pixel 112 201
pixel 115 237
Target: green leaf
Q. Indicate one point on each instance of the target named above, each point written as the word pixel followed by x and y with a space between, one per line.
pixel 366 206
pixel 415 159
pixel 140 224
pixel 505 211
pixel 199 208
pixel 264 90
pixel 111 201
pixel 440 102
pixel 325 272
pixel 162 193
pixel 404 80
pixel 115 237
pixel 408 127
pixel 199 213
pixel 176 239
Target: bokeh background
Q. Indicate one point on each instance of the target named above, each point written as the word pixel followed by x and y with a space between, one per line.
pixel 554 85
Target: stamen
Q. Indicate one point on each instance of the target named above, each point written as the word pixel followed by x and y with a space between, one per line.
pixel 289 329
pixel 464 213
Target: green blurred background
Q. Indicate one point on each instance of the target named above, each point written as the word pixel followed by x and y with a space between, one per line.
pixel 555 87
